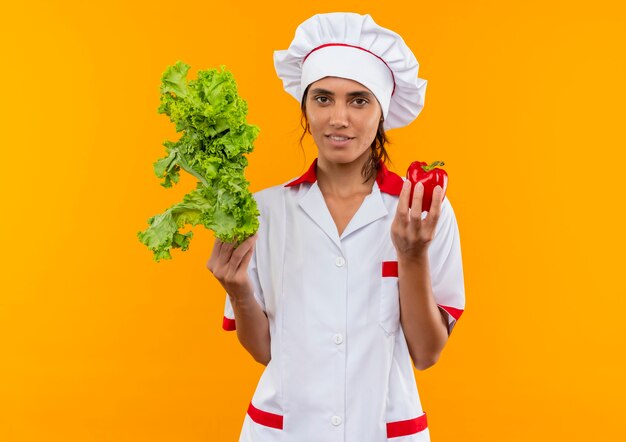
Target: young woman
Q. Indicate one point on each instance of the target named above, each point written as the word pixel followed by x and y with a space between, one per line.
pixel 344 288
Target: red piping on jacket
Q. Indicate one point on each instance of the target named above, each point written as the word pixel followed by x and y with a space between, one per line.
pixel 407 427
pixel 265 418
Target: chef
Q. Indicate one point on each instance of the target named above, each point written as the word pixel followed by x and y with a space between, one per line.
pixel 344 289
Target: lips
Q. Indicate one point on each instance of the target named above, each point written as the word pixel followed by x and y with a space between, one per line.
pixel 337 137
pixel 338 140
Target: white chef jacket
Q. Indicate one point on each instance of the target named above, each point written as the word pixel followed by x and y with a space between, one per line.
pixel 340 369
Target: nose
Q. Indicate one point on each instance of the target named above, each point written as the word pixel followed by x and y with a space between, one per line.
pixel 339 116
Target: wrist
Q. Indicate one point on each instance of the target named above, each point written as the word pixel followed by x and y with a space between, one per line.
pixel 241 298
pixel 413 258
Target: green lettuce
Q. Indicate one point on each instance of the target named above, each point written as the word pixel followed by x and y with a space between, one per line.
pixel 215 136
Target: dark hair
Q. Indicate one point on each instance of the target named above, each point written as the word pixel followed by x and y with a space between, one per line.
pixel 378 151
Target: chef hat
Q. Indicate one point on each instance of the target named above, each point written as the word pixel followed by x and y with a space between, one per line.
pixel 353 46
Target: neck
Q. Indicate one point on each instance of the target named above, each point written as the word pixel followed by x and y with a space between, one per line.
pixel 343 180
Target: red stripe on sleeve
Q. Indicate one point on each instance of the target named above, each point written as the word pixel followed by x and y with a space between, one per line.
pixel 228 324
pixel 264 418
pixel 390 268
pixel 454 312
pixel 405 428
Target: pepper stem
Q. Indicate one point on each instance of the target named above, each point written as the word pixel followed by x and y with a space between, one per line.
pixel 433 165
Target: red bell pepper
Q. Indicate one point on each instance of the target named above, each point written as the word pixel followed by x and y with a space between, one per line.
pixel 430 176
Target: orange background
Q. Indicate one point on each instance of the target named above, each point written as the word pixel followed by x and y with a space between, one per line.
pixel 525 104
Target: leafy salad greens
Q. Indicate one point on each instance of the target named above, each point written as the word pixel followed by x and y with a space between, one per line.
pixel 212 117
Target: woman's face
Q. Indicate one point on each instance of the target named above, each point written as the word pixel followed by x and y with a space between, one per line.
pixel 343 116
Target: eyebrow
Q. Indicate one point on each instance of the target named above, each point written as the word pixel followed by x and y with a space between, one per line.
pixel 349 94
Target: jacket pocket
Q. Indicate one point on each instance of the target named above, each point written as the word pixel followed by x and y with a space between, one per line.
pixel 389 314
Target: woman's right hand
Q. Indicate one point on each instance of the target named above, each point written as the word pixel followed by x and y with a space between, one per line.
pixel 229 264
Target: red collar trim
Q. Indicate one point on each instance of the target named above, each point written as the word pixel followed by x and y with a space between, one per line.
pixel 310 176
pixel 388 182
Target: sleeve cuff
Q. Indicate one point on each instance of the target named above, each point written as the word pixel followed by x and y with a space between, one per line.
pixel 228 324
pixel 453 315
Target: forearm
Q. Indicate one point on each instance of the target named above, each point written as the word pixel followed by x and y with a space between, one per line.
pixel 422 323
pixel 252 327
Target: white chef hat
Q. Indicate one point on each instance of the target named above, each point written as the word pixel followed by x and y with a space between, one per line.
pixel 353 46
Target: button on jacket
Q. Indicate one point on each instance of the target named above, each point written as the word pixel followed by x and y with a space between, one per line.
pixel 340 369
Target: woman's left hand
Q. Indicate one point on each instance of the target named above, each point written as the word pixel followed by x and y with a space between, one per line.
pixel 411 235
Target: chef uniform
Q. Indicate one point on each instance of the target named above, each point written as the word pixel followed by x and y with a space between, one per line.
pixel 340 369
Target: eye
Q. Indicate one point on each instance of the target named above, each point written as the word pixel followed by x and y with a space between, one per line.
pixel 360 101
pixel 321 99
